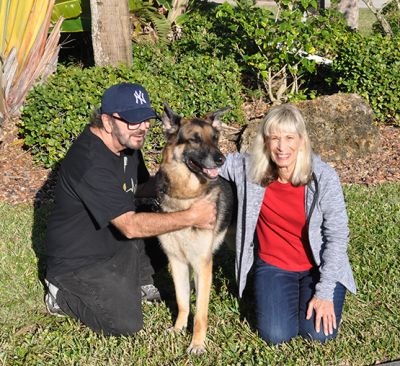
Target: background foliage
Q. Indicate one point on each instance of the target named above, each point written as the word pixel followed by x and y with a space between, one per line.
pixel 263 41
pixel 370 66
pixel 224 55
pixel 276 46
pixel 193 85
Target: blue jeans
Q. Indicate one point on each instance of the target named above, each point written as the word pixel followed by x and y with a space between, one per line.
pixel 281 303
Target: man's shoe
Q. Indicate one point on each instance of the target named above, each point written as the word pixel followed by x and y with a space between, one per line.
pixel 52 307
pixel 150 294
pixel 50 300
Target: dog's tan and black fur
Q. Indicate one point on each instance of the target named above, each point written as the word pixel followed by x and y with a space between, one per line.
pixel 189 170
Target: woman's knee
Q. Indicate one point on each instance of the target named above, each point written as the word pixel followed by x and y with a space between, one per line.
pixel 276 335
pixel 320 336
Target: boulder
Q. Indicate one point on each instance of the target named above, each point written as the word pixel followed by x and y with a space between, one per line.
pixel 340 126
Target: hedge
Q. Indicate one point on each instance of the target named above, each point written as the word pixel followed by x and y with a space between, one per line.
pixel 55 113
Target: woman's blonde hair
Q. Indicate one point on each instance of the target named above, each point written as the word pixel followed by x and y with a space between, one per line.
pixel 283 118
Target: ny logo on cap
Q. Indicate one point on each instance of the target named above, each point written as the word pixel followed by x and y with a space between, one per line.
pixel 139 97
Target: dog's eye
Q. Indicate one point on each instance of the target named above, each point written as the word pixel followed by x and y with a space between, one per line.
pixel 195 139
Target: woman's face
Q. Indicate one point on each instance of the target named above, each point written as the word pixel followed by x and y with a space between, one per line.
pixel 284 147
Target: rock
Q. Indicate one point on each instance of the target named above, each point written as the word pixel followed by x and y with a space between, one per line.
pixel 248 135
pixel 340 126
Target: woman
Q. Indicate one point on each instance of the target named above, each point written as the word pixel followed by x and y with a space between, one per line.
pixel 291 209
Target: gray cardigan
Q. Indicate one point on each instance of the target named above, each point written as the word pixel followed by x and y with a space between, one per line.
pixel 326 218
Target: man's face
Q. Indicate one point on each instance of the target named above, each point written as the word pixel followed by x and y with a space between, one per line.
pixel 129 135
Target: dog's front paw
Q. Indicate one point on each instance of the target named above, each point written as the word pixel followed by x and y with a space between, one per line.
pixel 176 330
pixel 196 349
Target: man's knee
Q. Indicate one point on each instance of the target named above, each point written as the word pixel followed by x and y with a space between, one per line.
pixel 114 326
pixel 103 319
pixel 124 327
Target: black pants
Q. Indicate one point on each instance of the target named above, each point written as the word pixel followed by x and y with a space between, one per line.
pixel 106 296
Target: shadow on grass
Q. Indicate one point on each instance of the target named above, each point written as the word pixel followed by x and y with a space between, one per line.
pixel 224 261
pixel 42 207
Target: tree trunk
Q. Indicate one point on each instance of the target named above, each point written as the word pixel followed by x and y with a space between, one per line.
pixel 111 32
pixel 378 13
pixel 350 10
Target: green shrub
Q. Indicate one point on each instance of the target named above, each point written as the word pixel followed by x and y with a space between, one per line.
pixel 269 48
pixel 57 112
pixel 199 33
pixel 263 45
pixel 370 66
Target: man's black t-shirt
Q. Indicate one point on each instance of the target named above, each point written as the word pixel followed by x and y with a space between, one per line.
pixel 94 186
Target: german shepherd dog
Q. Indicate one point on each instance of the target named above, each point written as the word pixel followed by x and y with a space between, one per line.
pixel 189 170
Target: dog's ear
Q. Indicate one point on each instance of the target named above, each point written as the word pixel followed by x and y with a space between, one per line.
pixel 214 118
pixel 170 119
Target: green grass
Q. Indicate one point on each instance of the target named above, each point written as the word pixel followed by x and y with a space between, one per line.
pixel 365 20
pixel 370 330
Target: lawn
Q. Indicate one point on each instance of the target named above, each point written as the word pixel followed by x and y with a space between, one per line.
pixel 370 331
pixel 365 20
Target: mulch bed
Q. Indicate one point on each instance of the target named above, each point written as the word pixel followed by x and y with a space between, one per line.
pixel 21 181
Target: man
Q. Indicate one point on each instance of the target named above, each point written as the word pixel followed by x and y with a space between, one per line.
pixel 96 263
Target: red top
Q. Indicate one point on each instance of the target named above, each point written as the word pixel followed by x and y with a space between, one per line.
pixel 282 229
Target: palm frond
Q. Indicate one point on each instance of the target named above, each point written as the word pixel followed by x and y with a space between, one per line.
pixel 161 25
pixel 28 53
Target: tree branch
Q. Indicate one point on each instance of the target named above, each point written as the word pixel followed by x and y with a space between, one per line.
pixel 377 12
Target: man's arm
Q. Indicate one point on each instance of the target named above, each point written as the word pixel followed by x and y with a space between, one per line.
pixel 202 214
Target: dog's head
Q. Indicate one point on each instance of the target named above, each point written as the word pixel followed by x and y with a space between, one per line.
pixel 194 141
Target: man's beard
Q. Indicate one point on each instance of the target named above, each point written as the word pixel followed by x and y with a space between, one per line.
pixel 126 141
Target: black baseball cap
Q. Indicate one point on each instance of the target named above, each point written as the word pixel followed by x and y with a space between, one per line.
pixel 130 101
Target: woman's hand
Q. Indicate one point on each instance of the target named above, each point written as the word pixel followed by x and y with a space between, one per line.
pixel 324 311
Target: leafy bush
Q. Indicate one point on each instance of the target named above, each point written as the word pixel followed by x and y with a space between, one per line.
pixel 263 46
pixel 57 112
pixel 270 48
pixel 370 67
pixel 199 34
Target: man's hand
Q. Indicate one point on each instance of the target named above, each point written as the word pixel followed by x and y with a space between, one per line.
pixel 324 311
pixel 203 213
